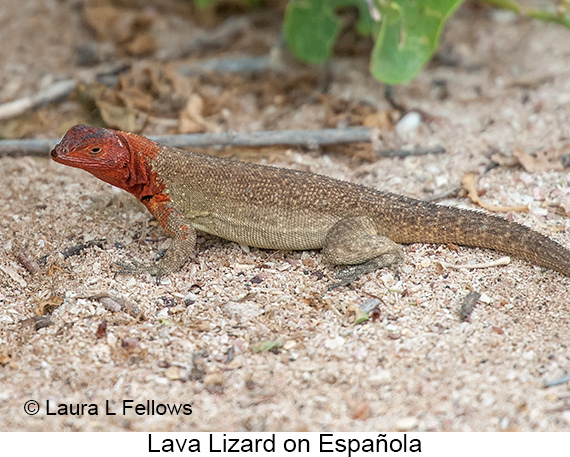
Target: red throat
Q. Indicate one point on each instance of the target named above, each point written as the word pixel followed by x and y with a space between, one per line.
pixel 141 180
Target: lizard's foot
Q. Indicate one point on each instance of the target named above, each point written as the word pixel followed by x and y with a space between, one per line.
pixel 356 241
pixel 135 268
pixel 391 260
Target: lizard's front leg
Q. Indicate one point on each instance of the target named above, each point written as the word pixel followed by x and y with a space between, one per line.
pixel 183 238
pixel 355 241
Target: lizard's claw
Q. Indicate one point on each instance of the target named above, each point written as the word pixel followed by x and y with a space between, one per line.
pixel 350 274
pixel 390 260
pixel 135 268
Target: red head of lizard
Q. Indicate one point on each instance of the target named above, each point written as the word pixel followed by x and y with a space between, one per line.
pixel 118 158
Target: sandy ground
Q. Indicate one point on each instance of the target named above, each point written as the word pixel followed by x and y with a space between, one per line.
pixel 415 366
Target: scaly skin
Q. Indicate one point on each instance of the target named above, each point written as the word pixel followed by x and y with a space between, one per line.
pixel 278 208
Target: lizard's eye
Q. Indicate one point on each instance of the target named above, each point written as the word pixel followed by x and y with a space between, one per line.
pixel 95 150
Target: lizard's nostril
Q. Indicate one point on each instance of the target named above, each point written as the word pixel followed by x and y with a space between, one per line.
pixel 58 151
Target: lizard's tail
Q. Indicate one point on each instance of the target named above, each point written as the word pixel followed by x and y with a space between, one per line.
pixel 440 224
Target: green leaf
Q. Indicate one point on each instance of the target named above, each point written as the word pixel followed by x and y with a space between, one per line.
pixel 360 318
pixel 203 4
pixel 267 345
pixel 311 28
pixel 408 37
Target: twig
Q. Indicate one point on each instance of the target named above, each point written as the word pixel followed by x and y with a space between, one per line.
pixel 560 16
pixel 58 90
pixel 228 65
pixel 311 138
pixel 409 152
pixel 278 60
pixel 468 182
pixel 556 382
pixel 53 93
pixel 471 266
pixel 118 304
pixel 308 138
pixel 32 147
pixel 449 193
pixel 208 39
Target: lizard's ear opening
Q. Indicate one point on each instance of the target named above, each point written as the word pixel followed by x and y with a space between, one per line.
pixel 95 150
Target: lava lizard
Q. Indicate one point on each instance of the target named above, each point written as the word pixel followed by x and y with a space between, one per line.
pixel 277 208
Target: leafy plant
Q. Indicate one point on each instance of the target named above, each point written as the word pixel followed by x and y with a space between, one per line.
pixel 405 32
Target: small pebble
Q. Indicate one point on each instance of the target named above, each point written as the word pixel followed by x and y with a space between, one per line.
pixel 172 373
pixel 334 343
pixel 408 124
pixel 242 312
pixel 289 345
pixel 405 424
pixel 379 378
pixel 369 305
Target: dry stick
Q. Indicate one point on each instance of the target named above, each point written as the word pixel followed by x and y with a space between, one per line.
pixel 449 193
pixel 277 60
pixel 409 152
pixel 208 39
pixel 229 65
pixel 17 148
pixel 308 138
pixel 55 92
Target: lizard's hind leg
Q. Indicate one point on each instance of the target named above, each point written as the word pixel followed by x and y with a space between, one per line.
pixel 355 241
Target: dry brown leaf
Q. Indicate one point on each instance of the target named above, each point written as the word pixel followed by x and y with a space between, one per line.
pixel 379 119
pixel 53 268
pixel 356 313
pixel 504 160
pixel 107 22
pixel 48 305
pixel 5 356
pixel 126 27
pixel 119 117
pixel 140 45
pixel 543 161
pixel 132 95
pixel 124 107
pixel 201 325
pixel 191 118
pixel 468 182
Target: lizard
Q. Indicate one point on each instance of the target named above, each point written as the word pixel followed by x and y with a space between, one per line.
pixel 279 208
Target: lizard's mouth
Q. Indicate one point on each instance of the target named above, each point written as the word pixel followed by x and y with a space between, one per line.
pixel 54 154
pixel 61 155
